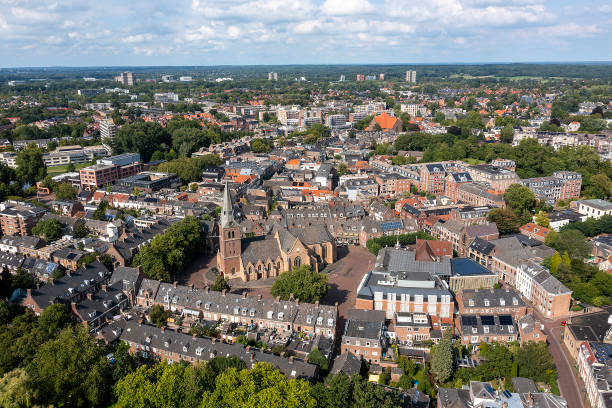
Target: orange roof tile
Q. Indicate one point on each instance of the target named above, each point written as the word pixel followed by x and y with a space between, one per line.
pixel 385 121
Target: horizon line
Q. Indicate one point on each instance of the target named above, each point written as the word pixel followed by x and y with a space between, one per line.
pixel 577 62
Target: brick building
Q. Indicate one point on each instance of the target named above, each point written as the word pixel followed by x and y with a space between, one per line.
pixel 18 218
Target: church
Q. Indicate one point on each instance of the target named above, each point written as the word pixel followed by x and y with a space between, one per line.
pixel 267 257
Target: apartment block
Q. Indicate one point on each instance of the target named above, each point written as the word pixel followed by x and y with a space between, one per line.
pixel 18 218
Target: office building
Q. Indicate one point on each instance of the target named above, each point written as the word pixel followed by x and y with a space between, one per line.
pixel 410 76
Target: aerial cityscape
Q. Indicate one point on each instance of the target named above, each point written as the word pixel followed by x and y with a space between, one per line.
pixel 314 204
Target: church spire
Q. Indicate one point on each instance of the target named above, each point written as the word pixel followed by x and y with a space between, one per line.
pixel 227 211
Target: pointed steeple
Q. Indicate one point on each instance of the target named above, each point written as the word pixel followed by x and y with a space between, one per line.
pixel 227 211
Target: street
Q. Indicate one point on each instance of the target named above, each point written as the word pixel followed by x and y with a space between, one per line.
pixel 566 373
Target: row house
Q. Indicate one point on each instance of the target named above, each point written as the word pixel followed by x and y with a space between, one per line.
pixel 364 335
pixel 454 180
pixel 480 194
pixel 562 185
pixel 549 296
pixel 498 178
pixel 491 301
pixel 595 369
pixel 25 245
pixel 392 184
pixel 222 306
pixel 166 345
pixel 476 329
pixel 461 236
pixel 470 215
pixel 409 328
pixel 73 287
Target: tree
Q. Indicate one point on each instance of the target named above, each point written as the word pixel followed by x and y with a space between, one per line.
pixel 571 241
pixel 54 319
pixel 49 229
pixel 316 357
pixel 30 165
pixel 303 283
pixel 507 134
pixel 506 220
pixel 519 198
pixel 442 358
pixel 337 392
pixel 534 361
pixel 81 231
pixel 14 390
pixel 70 370
pixel 261 145
pixel 541 219
pixel 65 191
pixel 600 186
pixel 158 315
pixel 342 169
pixel 70 167
pixel 220 284
pixel 260 386
pixel 141 137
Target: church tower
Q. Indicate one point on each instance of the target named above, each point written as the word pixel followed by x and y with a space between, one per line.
pixel 228 257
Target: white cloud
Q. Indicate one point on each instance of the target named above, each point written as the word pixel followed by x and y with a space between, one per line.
pixel 346 7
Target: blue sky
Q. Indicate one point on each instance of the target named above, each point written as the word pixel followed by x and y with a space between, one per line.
pixel 205 32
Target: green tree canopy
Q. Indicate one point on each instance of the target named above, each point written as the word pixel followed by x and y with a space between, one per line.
pixel 303 283
pixel 49 229
pixel 30 165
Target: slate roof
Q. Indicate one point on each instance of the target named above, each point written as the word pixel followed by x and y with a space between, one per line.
pixel 203 349
pixel 482 246
pixel 261 248
pixel 348 363
pixel 496 297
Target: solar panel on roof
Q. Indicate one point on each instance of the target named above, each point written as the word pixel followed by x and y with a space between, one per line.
pixel 468 321
pixel 489 388
pixel 507 394
pixel 487 320
pixel 505 320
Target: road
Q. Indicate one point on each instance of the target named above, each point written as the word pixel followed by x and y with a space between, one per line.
pixel 566 373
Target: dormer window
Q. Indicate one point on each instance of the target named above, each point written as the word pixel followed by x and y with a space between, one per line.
pixel 486 302
pixel 471 302
pixel 244 312
pixel 309 319
pixel 474 330
pixel 252 312
pixel 510 329
pixel 198 351
pixel 502 302
pixel 330 322
pixel 281 315
pixel 515 301
pixel 486 329
pixel 319 320
pixel 185 348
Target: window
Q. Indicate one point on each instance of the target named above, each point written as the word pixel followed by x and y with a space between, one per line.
pixel 297 262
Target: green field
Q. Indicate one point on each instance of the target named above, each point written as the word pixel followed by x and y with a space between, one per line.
pixel 470 160
pixel 55 170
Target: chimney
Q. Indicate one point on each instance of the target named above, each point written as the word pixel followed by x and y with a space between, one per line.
pixel 104 287
pixel 278 299
pixel 244 294
pixel 223 292
pixel 139 269
pixel 291 296
pixel 290 359
pixel 247 348
pixel 38 286
pixel 163 329
pixel 174 284
pixel 252 357
pixel 317 303
pixel 206 289
pixel 139 322
pixel 282 354
pixel 297 302
pixel 89 295
pixel 336 305
pixel 213 340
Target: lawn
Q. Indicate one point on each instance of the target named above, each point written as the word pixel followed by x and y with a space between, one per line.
pixel 472 161
pixel 56 170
